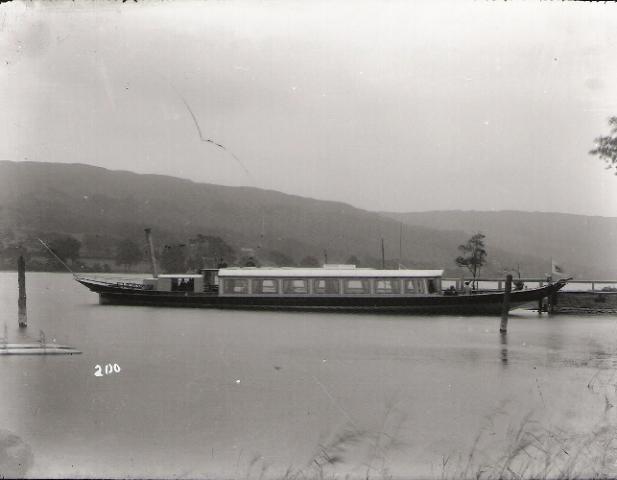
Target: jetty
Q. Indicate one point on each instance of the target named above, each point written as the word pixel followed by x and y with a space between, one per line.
pixel 582 296
pixel 36 348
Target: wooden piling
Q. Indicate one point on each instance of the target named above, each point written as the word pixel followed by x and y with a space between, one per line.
pixel 21 302
pixel 506 305
pixel 552 301
pixel 504 348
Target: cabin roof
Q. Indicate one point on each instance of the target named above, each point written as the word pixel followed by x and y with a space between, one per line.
pixel 327 272
pixel 180 275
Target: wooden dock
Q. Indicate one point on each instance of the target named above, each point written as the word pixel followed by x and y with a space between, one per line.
pixel 36 349
pixel 582 296
pixel 594 302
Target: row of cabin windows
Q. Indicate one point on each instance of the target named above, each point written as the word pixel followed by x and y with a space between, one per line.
pixel 330 286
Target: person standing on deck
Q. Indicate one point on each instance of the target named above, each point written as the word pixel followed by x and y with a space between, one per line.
pixel 467 288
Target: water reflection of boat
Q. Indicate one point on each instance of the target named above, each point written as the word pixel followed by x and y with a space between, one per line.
pixel 339 288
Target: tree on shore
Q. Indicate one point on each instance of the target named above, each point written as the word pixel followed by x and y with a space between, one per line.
pixel 10 254
pixel 128 253
pixel 473 256
pixel 173 258
pixel 66 248
pixel 280 259
pixel 353 260
pixel 208 250
pixel 606 147
pixel 309 261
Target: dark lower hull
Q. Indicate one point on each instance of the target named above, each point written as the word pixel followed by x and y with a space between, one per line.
pixel 478 304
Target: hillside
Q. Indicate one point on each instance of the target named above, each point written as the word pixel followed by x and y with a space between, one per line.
pixel 584 245
pixel 43 198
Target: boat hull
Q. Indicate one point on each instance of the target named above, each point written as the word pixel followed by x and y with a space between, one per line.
pixel 477 304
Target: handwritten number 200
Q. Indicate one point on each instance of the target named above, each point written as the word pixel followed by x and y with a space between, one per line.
pixel 106 370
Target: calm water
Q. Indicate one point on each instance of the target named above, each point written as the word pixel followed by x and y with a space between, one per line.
pixel 237 394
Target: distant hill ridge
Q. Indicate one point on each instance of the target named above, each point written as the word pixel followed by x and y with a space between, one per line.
pixel 80 199
pixel 584 244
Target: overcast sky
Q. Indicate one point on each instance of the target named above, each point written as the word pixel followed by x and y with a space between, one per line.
pixel 389 105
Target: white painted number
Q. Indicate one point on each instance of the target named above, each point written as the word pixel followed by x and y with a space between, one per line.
pixel 106 370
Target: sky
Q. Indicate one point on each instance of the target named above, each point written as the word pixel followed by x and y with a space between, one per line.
pixel 401 106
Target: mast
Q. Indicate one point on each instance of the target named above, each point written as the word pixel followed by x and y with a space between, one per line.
pixel 400 246
pixel 155 272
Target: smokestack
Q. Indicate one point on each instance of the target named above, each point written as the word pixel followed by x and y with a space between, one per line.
pixel 155 272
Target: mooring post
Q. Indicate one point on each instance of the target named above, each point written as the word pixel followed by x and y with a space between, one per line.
pixel 155 272
pixel 552 301
pixel 21 302
pixel 506 305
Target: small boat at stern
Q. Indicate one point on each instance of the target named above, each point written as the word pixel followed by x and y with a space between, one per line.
pixel 330 288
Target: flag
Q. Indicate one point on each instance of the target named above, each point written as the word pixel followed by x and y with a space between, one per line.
pixel 556 269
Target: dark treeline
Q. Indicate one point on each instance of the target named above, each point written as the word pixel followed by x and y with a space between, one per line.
pixel 95 253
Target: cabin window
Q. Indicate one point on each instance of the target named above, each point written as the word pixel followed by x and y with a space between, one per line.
pixel 236 285
pixel 387 285
pixel 295 285
pixel 357 285
pixel 415 285
pixel 326 285
pixel 182 284
pixel 265 285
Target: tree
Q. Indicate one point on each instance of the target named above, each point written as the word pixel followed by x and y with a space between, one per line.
pixel 606 147
pixel 66 248
pixel 209 249
pixel 99 245
pixel 173 258
pixel 249 261
pixel 280 259
pixel 309 261
pixel 127 253
pixel 473 256
pixel 353 260
pixel 10 254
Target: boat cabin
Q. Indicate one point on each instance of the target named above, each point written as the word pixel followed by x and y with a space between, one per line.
pixel 183 282
pixel 327 281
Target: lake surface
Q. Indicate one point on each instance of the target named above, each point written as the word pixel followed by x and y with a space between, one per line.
pixel 229 394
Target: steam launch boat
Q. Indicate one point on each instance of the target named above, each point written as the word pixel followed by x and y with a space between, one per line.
pixel 333 288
